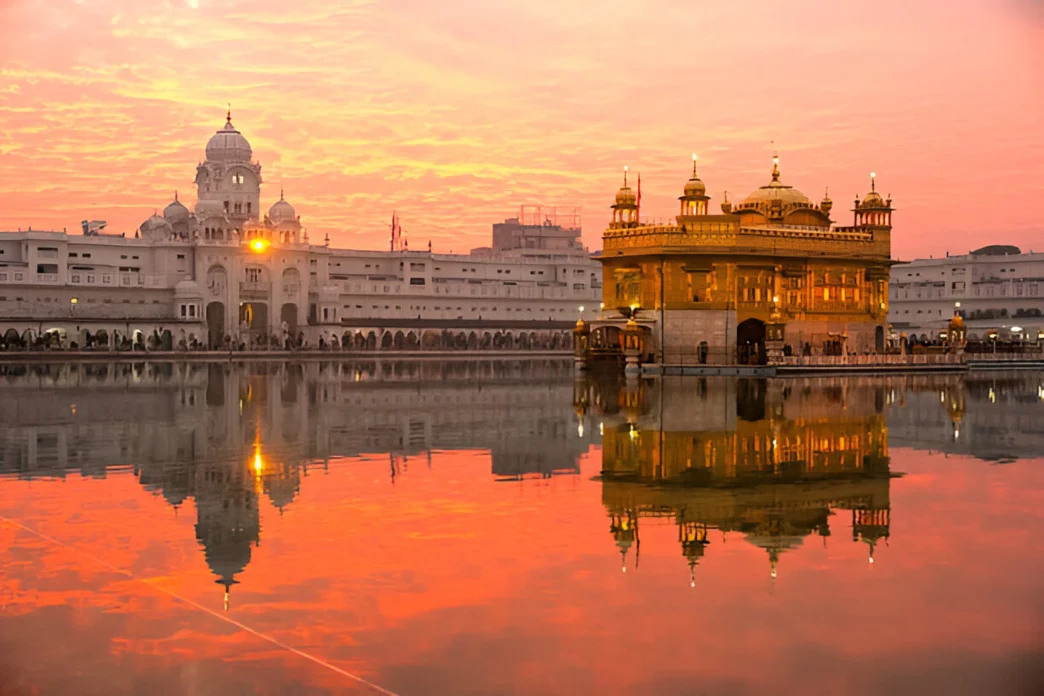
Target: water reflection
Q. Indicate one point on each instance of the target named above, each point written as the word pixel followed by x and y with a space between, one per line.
pixel 223 434
pixel 771 460
pixel 356 511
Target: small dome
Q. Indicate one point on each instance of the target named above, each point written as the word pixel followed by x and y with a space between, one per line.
pixel 957 322
pixel 282 211
pixel 155 225
pixel 187 288
pixel 228 145
pixel 873 200
pixel 175 212
pixel 625 196
pixel 695 187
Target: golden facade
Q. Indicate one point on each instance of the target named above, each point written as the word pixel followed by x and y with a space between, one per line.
pixel 708 286
pixel 769 460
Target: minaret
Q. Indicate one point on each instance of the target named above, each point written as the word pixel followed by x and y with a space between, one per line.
pixel 625 210
pixel 694 198
pixel 874 211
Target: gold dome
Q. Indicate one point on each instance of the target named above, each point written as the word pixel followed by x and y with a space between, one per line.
pixel 956 323
pixel 625 196
pixel 776 190
pixel 695 187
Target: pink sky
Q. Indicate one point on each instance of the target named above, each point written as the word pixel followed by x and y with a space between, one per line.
pixel 455 114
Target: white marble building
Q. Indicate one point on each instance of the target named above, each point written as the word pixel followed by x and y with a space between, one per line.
pixel 996 288
pixel 223 273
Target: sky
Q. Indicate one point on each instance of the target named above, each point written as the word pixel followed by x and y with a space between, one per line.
pixel 455 114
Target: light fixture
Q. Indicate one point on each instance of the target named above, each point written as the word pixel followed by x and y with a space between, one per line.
pixel 73 300
pixel 258 245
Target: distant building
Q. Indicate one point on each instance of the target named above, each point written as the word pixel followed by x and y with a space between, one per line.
pixel 995 289
pixel 222 272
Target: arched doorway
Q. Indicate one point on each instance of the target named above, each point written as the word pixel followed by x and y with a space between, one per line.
pixel 288 319
pixel 750 342
pixel 879 339
pixel 215 324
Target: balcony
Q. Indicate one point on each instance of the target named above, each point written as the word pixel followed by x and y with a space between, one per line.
pixel 254 289
pixel 292 289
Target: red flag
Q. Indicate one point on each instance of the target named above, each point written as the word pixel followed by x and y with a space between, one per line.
pixel 638 202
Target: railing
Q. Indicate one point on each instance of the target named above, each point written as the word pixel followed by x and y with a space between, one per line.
pixel 291 288
pixel 254 287
pixel 46 277
pixel 871 360
pixel 1006 357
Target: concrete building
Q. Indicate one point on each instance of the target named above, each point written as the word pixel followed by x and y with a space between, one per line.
pixel 224 273
pixel 995 289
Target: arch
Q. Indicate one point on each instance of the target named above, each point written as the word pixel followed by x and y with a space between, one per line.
pixel 399 341
pixel 166 340
pixel 523 341
pixel 509 341
pixel 498 340
pixel 371 341
pixel 346 340
pixel 288 317
pixel 532 339
pixel 387 339
pixel 411 341
pixel 879 339
pixel 555 338
pixel 473 340
pixel 431 340
pixel 750 342
pixel 217 280
pixel 487 341
pixel 461 340
pixel 215 324
pixel 101 338
pixel 701 352
pixel 12 339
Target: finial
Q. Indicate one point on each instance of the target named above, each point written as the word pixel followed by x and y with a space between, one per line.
pixel 625 176
pixel 873 181
pixel 775 167
pixel 280 193
pixel 228 116
pixel 694 158
pixel 175 195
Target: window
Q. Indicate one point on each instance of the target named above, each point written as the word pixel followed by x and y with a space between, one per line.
pixel 238 179
pixel 72 254
pixel 87 256
pixel 181 256
pixel 192 310
pixel 184 311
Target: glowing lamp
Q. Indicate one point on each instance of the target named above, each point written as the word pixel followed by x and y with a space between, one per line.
pixel 258 246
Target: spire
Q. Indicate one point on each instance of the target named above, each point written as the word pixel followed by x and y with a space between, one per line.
pixel 692 573
pixel 175 195
pixel 694 165
pixel 228 116
pixel 775 167
pixel 873 181
pixel 625 176
pixel 280 193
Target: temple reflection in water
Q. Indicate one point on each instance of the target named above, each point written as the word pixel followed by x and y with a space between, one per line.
pixel 227 435
pixel 770 460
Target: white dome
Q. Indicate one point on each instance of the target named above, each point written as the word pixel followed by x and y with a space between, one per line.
pixel 188 288
pixel 175 212
pixel 228 145
pixel 282 211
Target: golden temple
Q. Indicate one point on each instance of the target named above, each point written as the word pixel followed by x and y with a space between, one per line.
pixel 767 277
pixel 773 461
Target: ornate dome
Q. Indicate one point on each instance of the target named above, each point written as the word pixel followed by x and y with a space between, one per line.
pixel 155 228
pixel 873 200
pixel 281 210
pixel 776 190
pixel 175 212
pixel 625 196
pixel 228 145
pixel 695 187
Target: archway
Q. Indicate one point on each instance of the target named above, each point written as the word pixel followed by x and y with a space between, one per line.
pixel 215 324
pixel 371 341
pixel 12 339
pixel 288 319
pixel 166 340
pixel 411 341
pixel 101 338
pixel 387 340
pixel 879 339
pixel 750 342
pixel 399 340
pixel 346 340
